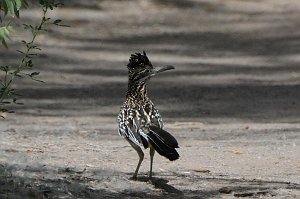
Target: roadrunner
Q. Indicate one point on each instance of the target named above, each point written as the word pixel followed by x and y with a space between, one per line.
pixel 139 121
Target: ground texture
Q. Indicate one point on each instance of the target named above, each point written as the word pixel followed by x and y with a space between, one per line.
pixel 232 102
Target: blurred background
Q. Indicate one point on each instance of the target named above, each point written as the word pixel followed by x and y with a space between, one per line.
pixel 235 60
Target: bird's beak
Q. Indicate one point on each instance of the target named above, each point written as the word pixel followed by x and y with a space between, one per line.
pixel 155 71
pixel 160 69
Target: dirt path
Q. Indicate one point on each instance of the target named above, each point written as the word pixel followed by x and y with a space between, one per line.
pixel 232 102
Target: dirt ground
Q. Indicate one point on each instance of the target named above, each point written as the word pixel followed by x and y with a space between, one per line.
pixel 232 102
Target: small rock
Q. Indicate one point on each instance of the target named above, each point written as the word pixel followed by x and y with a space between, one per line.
pixel 225 190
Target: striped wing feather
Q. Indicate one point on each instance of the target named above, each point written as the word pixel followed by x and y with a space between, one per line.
pixel 164 136
pixel 162 148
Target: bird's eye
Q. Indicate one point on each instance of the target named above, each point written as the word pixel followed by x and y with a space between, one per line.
pixel 147 71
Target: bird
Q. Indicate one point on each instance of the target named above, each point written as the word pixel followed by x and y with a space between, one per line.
pixel 139 122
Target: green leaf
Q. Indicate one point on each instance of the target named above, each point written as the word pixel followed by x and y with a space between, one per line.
pixel 36 48
pixel 44 2
pixel 29 64
pixel 18 75
pixel 57 21
pixel 9 28
pixel 4 7
pixel 17 13
pixel 30 55
pixel 18 4
pixel 34 74
pixel 5 68
pixel 4 33
pixel 10 7
pixel 21 52
pixel 5 30
pixel 26 26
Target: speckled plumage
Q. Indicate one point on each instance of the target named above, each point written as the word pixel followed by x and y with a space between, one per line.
pixel 139 121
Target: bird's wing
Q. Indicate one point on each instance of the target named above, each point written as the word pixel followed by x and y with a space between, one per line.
pixel 152 115
pixel 164 136
pixel 129 126
pixel 163 142
pixel 156 119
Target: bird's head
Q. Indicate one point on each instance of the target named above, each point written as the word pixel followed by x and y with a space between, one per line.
pixel 140 68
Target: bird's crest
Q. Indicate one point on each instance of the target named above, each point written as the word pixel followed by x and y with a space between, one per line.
pixel 138 60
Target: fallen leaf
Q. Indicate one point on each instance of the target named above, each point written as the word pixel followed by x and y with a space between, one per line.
pixel 201 170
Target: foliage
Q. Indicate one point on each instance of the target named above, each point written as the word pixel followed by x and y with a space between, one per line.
pixel 11 8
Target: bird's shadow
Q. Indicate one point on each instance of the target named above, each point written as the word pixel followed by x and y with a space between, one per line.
pixel 19 181
pixel 158 183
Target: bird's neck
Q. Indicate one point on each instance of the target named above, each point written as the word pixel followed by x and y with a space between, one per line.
pixel 137 91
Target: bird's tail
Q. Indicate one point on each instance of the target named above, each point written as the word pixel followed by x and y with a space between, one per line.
pixel 163 142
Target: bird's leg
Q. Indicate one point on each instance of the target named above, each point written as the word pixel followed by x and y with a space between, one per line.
pixel 141 158
pixel 152 151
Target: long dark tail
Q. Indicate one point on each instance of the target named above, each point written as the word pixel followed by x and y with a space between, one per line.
pixel 163 142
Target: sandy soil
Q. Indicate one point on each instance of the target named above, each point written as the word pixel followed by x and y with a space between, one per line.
pixel 232 102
